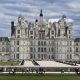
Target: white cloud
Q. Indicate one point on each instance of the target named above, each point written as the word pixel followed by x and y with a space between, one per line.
pixel 3 16
pixel 10 9
pixel 52 14
pixel 75 5
pixel 56 20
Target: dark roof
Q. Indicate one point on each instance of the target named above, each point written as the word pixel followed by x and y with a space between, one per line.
pixel 77 40
pixel 4 39
pixel 41 14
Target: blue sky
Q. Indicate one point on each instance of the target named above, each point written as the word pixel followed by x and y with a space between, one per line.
pixel 10 9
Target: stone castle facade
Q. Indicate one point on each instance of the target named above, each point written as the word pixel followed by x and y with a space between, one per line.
pixel 41 40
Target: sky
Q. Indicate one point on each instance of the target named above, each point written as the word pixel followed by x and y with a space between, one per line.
pixel 52 9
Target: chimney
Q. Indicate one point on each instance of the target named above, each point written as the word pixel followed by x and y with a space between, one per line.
pixel 12 28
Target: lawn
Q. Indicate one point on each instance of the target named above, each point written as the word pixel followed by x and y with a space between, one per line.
pixel 9 63
pixel 39 77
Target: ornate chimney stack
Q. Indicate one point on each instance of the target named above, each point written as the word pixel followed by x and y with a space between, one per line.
pixel 12 28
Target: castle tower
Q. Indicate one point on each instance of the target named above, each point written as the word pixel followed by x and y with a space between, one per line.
pixel 20 43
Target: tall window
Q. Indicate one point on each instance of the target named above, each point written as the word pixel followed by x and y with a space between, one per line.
pixel 38 55
pixel 41 34
pixel 44 42
pixel 70 56
pixel 17 49
pixel 3 49
pixel 44 49
pixel 49 49
pixel 31 49
pixel 77 44
pixel 31 37
pixel 70 43
pixel 52 37
pixel 2 43
pixel 58 32
pixel 41 42
pixel 67 56
pixel 41 49
pixel 69 36
pixel 7 49
pixel 17 56
pixel 31 55
pixel 31 32
pixel 77 50
pixel 17 42
pixel 18 36
pixel 18 31
pixel 38 43
pixel 69 31
pixel 38 49
pixel 70 49
pixel 52 49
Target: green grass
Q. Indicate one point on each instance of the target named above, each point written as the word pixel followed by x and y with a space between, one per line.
pixel 10 63
pixel 39 77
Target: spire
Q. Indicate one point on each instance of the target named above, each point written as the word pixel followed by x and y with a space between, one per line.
pixel 41 14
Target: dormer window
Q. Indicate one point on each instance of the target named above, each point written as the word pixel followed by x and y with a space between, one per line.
pixel 31 32
pixel 18 36
pixel 18 31
pixel 41 34
pixel 52 32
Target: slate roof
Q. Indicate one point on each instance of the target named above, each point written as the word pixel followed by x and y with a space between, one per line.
pixel 77 40
pixel 4 39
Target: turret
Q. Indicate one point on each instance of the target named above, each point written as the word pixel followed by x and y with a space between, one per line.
pixel 41 14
